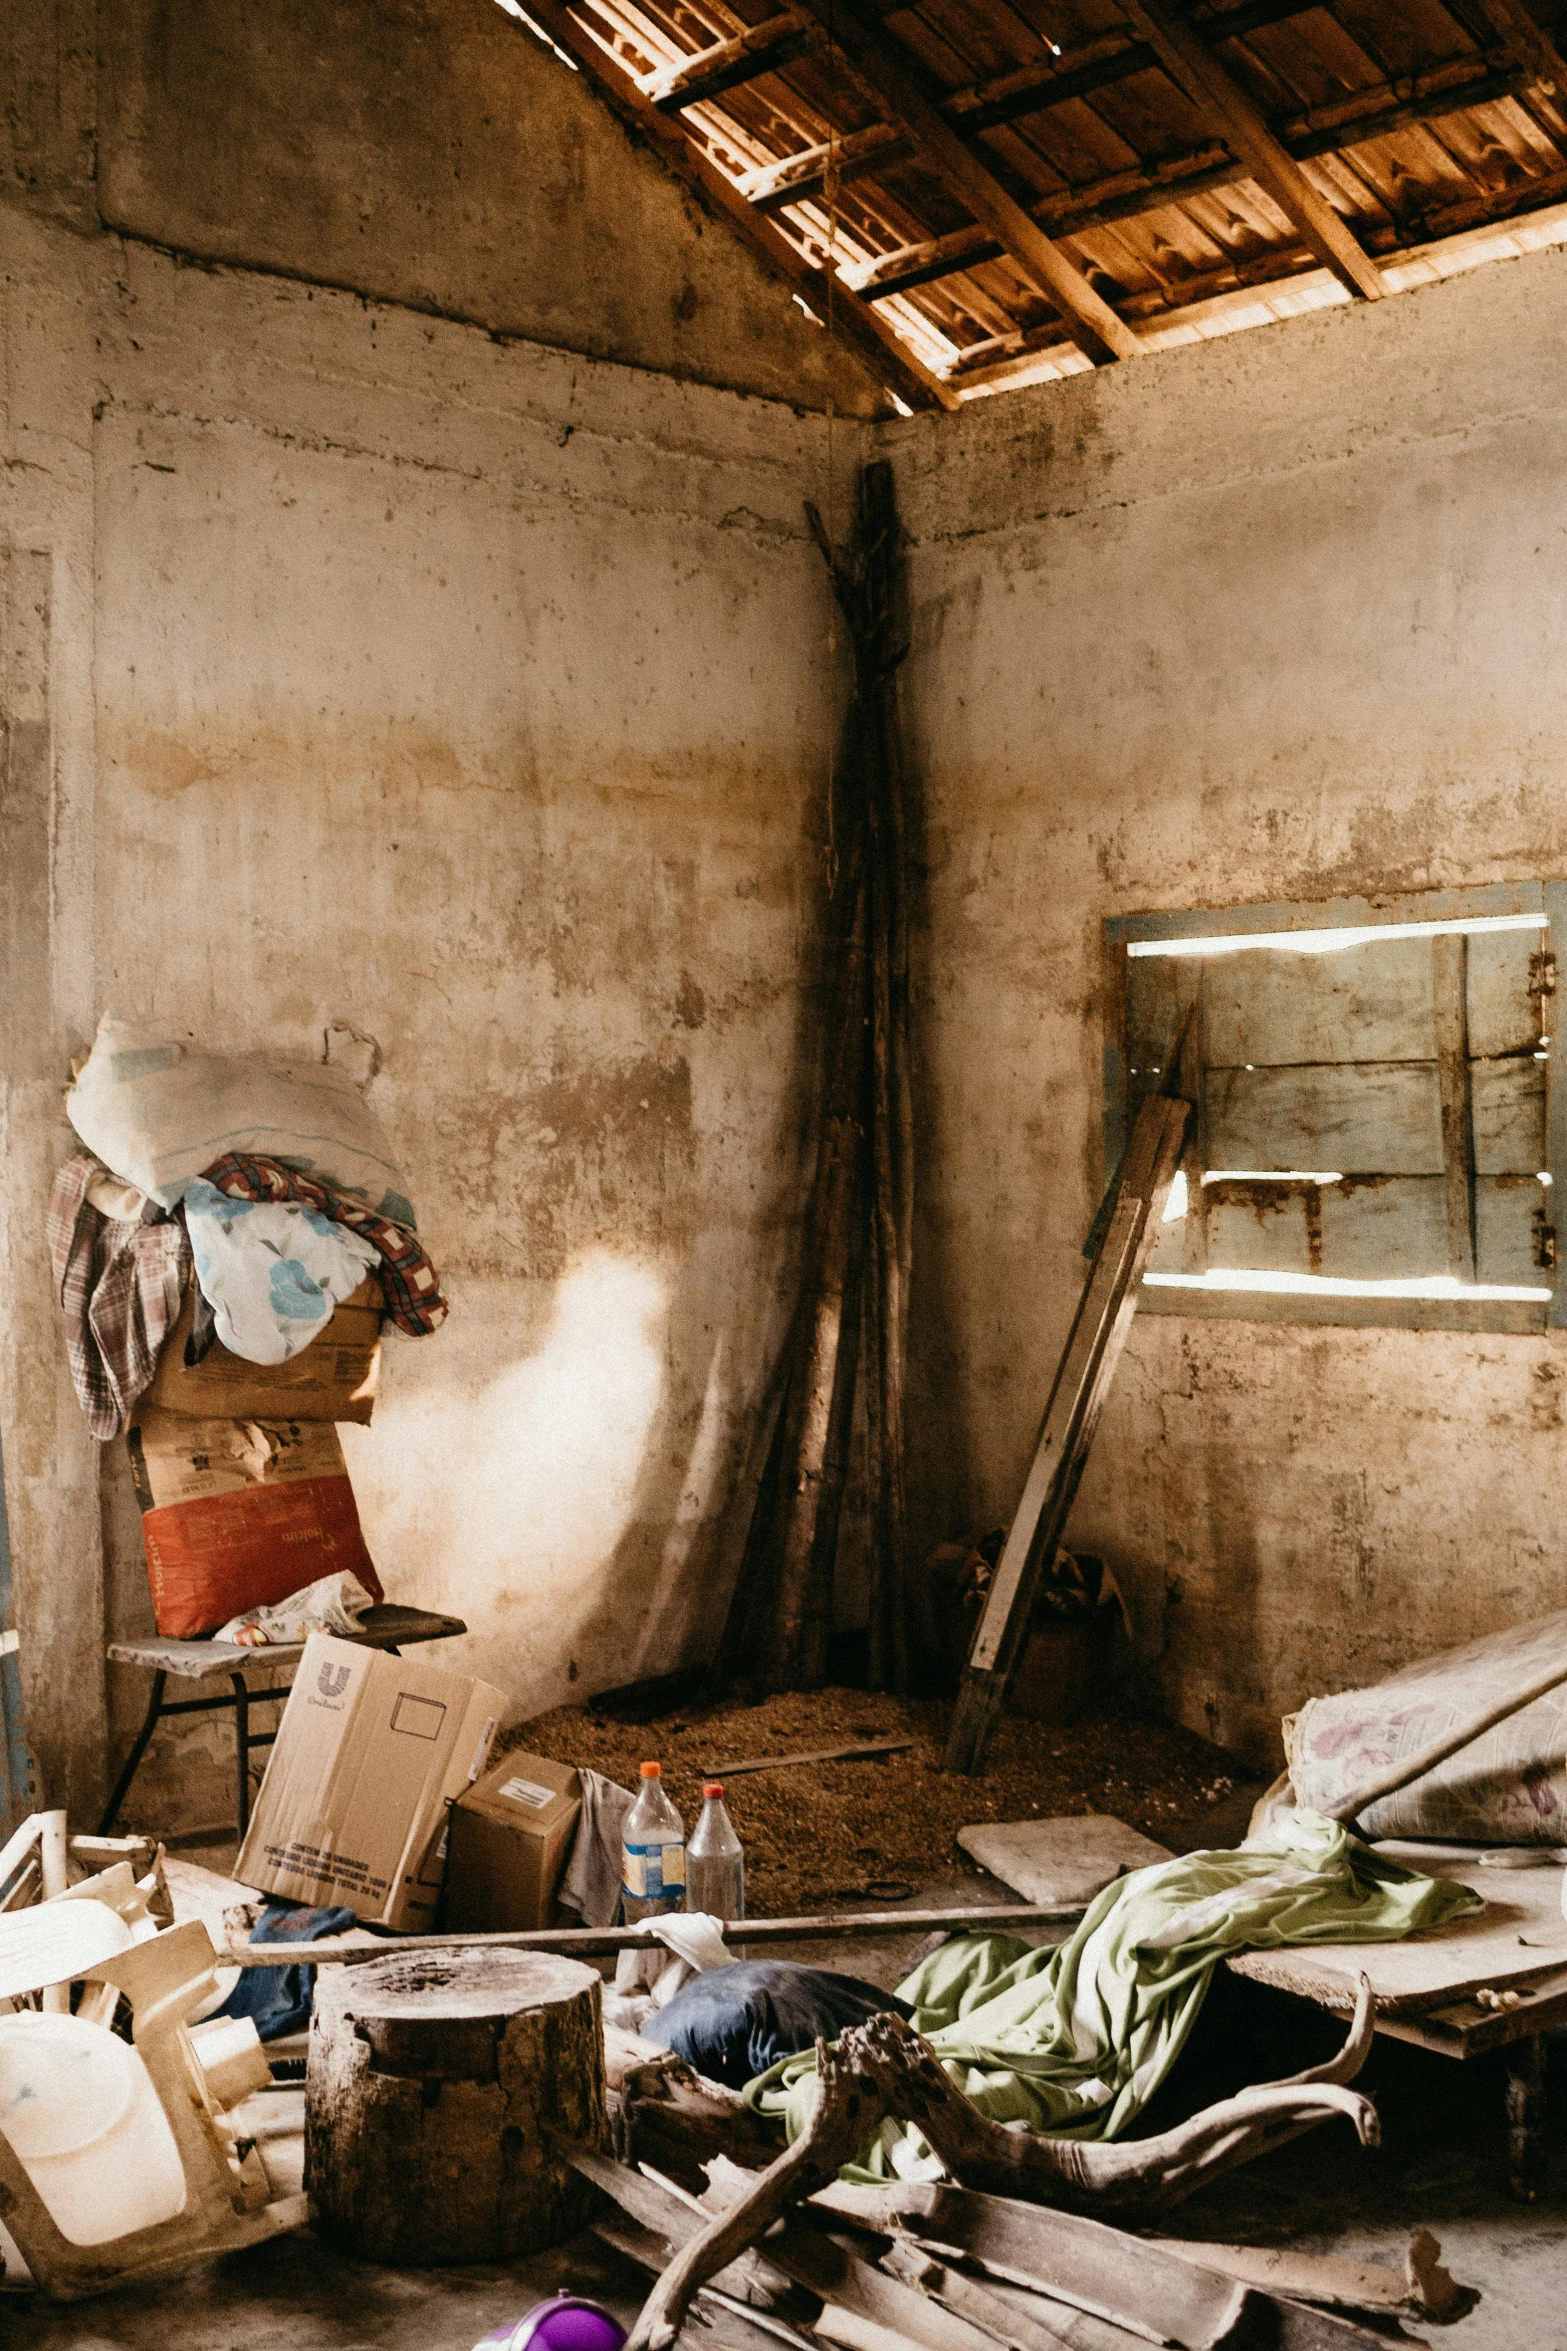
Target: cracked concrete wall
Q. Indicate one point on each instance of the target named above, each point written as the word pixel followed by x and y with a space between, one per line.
pixel 366 670
pixel 1281 617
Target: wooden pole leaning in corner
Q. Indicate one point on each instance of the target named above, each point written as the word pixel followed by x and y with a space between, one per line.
pixel 809 1419
pixel 895 1627
pixel 851 1327
pixel 1104 1316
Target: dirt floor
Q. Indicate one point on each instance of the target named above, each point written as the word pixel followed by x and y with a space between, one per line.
pixel 835 1832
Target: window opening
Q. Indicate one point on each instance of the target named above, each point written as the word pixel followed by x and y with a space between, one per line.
pixel 1373 1137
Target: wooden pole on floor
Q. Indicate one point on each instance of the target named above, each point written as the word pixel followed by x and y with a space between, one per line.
pixel 604 1942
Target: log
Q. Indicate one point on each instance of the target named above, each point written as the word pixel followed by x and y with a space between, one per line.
pixel 434 2092
pixel 663 2112
pixel 834 2135
pixel 901 2075
pixel 883 2070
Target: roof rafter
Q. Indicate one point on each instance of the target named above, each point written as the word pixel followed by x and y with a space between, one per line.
pixel 1096 65
pixel 879 60
pixel 745 57
pixel 873 339
pixel 1192 64
pixel 1367 114
pixel 773 185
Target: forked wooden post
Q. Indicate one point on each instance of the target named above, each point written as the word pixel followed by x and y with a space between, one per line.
pixel 1098 1334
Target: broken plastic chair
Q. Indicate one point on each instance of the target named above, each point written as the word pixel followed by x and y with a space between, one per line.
pixel 227 2201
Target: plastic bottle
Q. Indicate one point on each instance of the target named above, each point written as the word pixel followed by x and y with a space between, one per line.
pixel 715 1860
pixel 652 1853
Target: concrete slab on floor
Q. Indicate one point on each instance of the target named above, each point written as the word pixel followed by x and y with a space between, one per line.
pixel 1069 1858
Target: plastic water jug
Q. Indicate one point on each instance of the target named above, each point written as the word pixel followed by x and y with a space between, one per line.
pixel 715 1860
pixel 79 2110
pixel 652 1853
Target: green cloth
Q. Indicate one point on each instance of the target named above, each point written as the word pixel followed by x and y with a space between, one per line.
pixel 1074 2041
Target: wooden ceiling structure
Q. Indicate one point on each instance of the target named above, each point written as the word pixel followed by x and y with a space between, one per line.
pixel 978 193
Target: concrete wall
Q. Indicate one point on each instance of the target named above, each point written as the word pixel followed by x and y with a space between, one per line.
pixel 435 153
pixel 368 670
pixel 1279 617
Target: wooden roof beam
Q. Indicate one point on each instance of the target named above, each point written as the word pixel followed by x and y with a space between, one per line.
pixel 860 325
pixel 1368 114
pixel 1095 65
pixel 760 49
pixel 880 60
pixel 1527 43
pixel 1118 196
pixel 1327 130
pixel 773 185
pixel 1193 66
pixel 1028 89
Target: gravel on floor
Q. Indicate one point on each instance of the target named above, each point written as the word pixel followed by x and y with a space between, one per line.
pixel 832 1832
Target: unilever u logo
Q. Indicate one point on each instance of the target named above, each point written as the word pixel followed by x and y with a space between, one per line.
pixel 332 1680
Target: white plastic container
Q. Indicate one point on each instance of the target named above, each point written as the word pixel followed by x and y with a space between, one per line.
pixel 79 2110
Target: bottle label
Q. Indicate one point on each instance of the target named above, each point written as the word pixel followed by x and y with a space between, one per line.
pixel 650 1871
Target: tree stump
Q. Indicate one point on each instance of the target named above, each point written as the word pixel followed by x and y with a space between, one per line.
pixel 438 2094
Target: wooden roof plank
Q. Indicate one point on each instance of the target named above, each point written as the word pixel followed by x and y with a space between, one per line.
pixel 1194 66
pixel 796 176
pixel 744 57
pixel 1139 193
pixel 873 340
pixel 1094 326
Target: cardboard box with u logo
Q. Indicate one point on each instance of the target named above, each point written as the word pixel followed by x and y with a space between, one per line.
pixel 371 1753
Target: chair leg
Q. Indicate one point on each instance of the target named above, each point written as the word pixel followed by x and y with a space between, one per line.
pixel 122 1786
pixel 1525 2117
pixel 242 1747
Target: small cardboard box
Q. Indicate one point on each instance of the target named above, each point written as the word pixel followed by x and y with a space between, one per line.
pixel 334 1378
pixel 371 1752
pixel 511 1838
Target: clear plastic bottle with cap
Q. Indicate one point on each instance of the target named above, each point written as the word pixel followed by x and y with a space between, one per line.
pixel 715 1860
pixel 652 1853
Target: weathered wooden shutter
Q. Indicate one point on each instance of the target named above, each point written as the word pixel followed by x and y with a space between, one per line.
pixel 1411 1071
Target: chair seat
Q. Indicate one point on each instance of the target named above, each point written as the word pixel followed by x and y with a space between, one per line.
pixel 384 1627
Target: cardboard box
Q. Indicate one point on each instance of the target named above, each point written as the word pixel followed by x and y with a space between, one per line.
pixel 370 1753
pixel 511 1839
pixel 238 1514
pixel 334 1378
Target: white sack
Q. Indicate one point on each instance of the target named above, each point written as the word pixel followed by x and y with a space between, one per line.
pixel 157 1113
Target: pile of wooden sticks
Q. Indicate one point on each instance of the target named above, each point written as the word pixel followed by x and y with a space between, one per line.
pixel 850 1327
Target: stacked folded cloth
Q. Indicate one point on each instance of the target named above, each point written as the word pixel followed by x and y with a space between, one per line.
pixel 225 1253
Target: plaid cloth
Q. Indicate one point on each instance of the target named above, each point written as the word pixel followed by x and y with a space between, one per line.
pixel 119 1286
pixel 413 1290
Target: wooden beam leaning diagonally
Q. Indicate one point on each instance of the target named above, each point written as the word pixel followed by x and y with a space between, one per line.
pixel 858 324
pixel 1104 1316
pixel 1193 66
pixel 878 58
